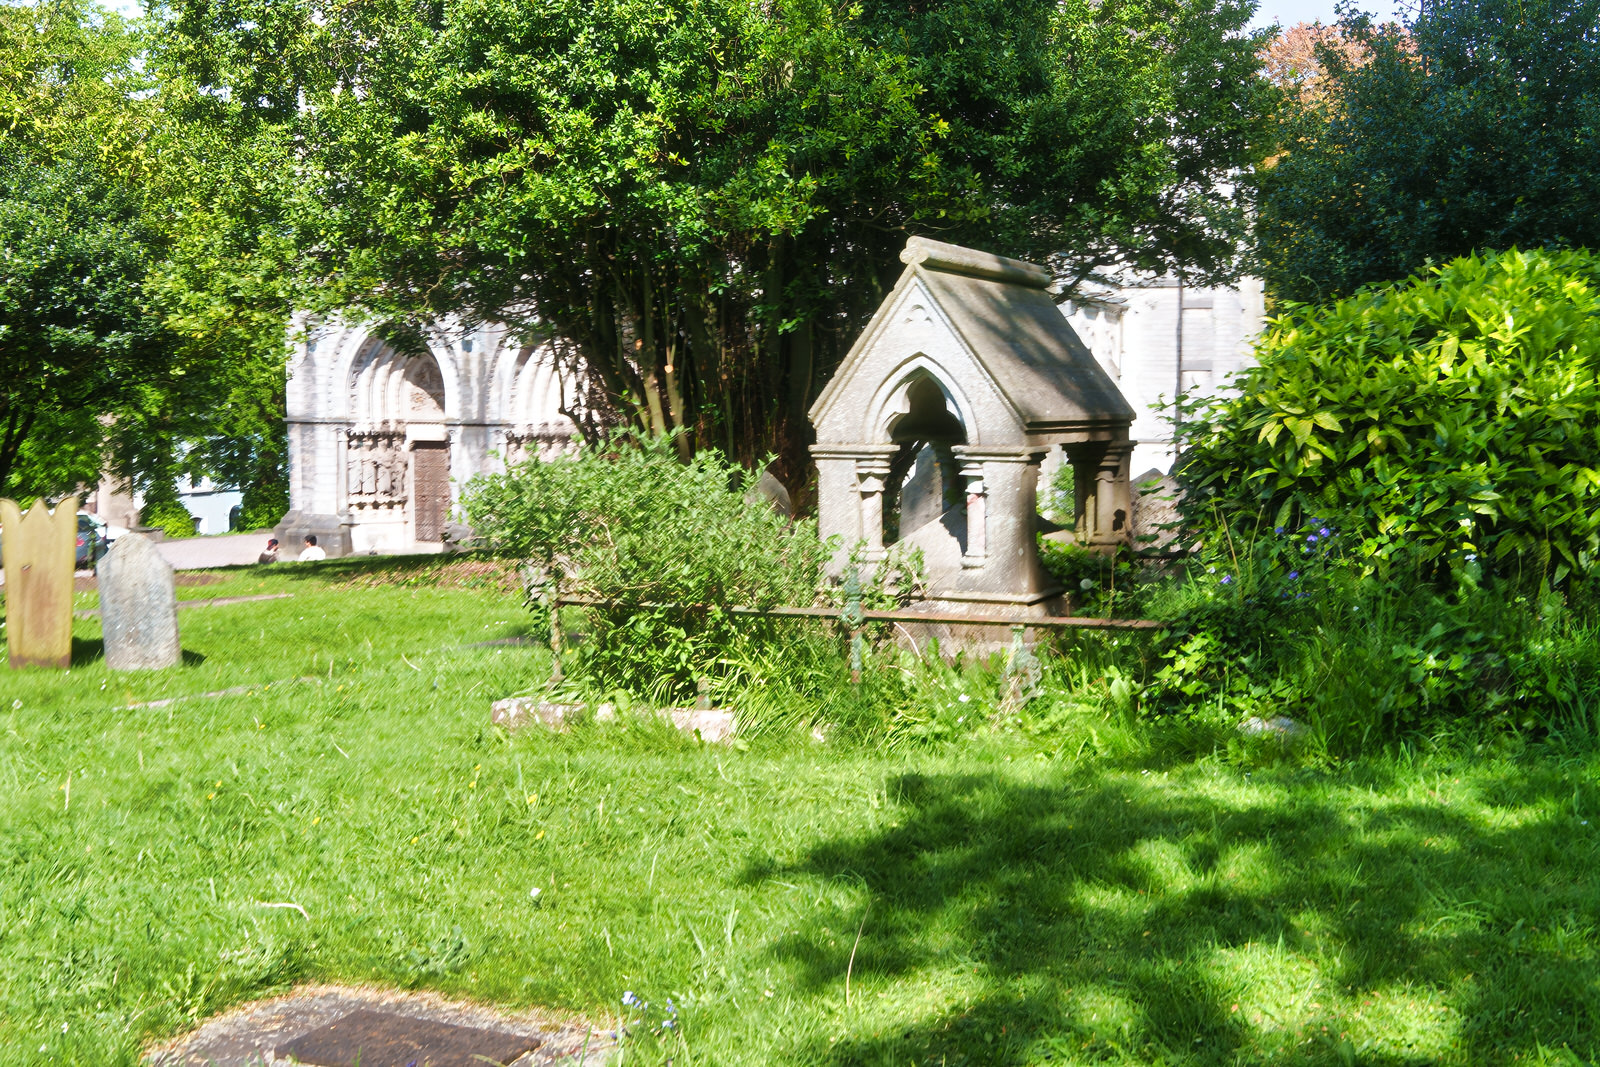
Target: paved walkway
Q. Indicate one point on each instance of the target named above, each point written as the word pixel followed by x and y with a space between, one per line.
pixel 229 550
pixel 224 550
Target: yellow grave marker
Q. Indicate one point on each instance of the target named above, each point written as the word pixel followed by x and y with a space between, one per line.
pixel 38 557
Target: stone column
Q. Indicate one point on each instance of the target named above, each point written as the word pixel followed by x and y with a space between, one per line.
pixel 839 503
pixel 870 475
pixel 977 516
pixel 1104 511
pixel 1008 503
pixel 1113 495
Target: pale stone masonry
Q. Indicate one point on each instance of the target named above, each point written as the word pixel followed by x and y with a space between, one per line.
pixel 1156 337
pixel 381 440
pixel 933 429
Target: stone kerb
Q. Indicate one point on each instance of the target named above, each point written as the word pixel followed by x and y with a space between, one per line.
pixel 138 607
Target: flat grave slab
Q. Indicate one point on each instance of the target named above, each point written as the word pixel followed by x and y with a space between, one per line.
pixel 382 1039
pixel 260 1033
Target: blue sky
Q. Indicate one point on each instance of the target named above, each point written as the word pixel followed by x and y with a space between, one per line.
pixel 1289 12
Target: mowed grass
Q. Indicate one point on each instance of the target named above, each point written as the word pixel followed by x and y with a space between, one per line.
pixel 999 901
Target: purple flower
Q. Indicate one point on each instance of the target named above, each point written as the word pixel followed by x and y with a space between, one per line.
pixel 1311 539
pixel 1325 532
pixel 1227 579
pixel 1293 575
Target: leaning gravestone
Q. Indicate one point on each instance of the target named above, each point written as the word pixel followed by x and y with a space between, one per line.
pixel 138 606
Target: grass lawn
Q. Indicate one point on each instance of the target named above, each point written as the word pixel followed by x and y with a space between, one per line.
pixel 1000 901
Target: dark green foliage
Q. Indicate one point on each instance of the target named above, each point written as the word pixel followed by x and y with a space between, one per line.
pixel 1449 425
pixel 76 341
pixel 1284 622
pixel 1475 128
pixel 703 202
pixel 671 545
pixel 131 329
pixel 1096 583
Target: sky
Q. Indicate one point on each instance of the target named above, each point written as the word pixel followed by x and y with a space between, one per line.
pixel 1284 12
pixel 1289 12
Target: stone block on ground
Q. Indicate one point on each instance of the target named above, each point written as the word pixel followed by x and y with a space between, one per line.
pixel 1281 727
pixel 138 606
pixel 513 712
pixel 714 725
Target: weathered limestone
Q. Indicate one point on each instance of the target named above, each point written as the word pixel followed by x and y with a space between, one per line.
pixel 138 606
pixel 39 557
pixel 711 725
pixel 381 439
pixel 965 380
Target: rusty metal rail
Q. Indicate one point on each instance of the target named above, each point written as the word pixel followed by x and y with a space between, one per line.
pixel 852 615
pixel 1060 622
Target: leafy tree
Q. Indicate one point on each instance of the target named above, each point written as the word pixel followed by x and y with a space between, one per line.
pixel 702 202
pixel 1448 425
pixel 1475 128
pixel 78 348
pixel 126 337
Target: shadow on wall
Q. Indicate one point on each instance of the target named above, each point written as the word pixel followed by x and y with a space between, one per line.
pixel 1143 920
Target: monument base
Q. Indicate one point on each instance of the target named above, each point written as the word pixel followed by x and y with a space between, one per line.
pixel 331 532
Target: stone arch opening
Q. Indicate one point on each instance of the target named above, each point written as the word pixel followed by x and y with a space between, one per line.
pixel 923 485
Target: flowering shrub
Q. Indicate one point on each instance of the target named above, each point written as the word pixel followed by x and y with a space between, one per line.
pixel 1286 622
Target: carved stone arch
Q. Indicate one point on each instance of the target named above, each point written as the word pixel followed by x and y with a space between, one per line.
pixel 536 391
pixel 894 400
pixel 920 414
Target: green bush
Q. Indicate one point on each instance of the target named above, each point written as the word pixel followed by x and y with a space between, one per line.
pixel 668 546
pixel 1282 622
pixel 1448 424
pixel 163 510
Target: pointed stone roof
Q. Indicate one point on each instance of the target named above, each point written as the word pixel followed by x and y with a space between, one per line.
pixel 1005 316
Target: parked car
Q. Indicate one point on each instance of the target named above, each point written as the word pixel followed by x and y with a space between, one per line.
pixel 93 542
pixel 95 538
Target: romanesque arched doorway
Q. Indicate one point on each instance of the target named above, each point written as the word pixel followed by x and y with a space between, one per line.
pixel 398 453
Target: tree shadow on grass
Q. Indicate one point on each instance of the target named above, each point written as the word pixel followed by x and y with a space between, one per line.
pixel 1148 920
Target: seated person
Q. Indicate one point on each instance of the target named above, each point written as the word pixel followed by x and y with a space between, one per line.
pixel 311 552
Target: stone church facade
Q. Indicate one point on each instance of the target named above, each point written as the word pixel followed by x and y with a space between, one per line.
pixel 1157 339
pixel 381 440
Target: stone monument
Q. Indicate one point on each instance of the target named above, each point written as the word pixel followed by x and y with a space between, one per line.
pixel 39 554
pixel 138 606
pixel 933 429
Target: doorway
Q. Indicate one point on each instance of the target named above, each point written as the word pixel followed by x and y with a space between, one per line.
pixel 430 462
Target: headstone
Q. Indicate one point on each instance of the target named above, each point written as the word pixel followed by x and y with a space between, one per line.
pixel 1155 511
pixel 39 555
pixel 138 606
pixel 769 489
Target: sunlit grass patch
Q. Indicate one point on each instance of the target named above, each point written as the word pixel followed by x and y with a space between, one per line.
pixel 1011 898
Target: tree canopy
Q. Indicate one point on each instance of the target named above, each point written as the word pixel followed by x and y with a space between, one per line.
pixel 132 339
pixel 1476 127
pixel 701 202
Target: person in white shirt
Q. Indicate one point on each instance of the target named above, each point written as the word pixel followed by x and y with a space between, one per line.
pixel 311 552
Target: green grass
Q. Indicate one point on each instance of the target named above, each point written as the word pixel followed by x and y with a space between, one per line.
pixel 1018 898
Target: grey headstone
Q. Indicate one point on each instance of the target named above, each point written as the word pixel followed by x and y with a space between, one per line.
pixel 138 606
pixel 771 490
